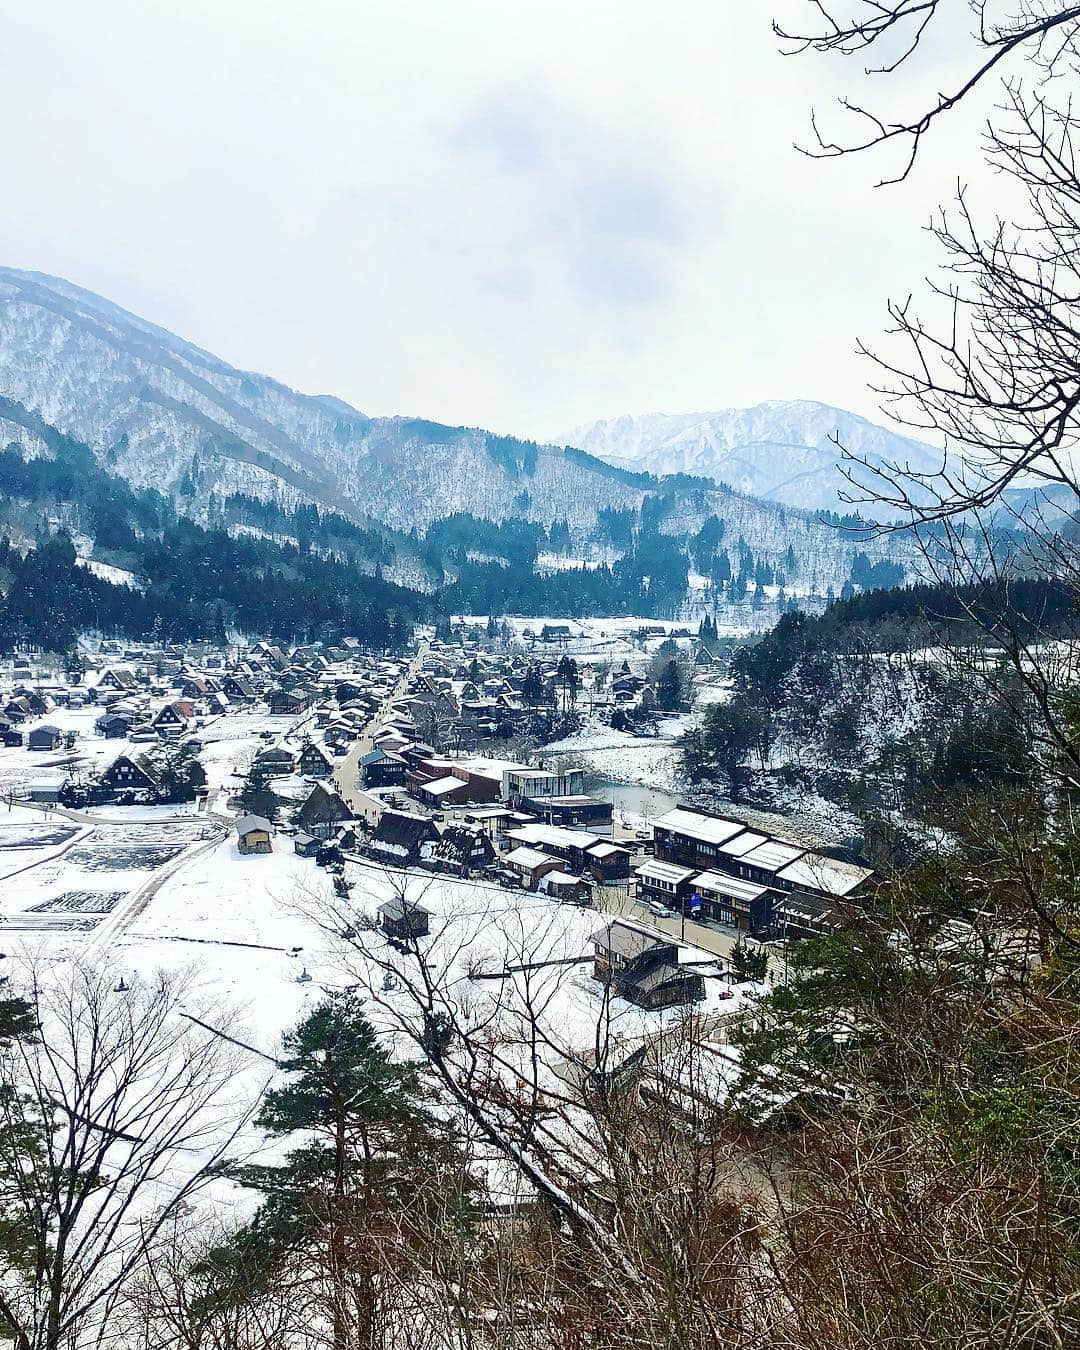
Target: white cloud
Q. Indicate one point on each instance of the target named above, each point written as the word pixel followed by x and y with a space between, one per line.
pixel 519 216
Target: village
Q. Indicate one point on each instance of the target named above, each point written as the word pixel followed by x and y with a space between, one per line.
pixel 126 776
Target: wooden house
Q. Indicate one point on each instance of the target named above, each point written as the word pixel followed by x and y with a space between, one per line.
pixel 174 717
pixel 45 737
pixel 404 919
pixel 306 845
pixel 400 838
pixel 132 772
pixel 322 811
pixel 253 834
pixel 382 768
pixel 116 677
pixel 643 967
pixel 463 850
pixel 238 689
pixel 315 762
pixel 112 725
pixel 287 702
pixel 530 865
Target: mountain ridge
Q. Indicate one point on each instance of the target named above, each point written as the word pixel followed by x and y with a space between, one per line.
pixel 165 414
pixel 779 450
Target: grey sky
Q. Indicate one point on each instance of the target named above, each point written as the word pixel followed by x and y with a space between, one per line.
pixel 516 215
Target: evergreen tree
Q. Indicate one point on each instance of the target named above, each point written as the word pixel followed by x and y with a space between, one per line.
pixel 180 771
pixel 372 1162
pixel 21 1143
pixel 669 687
pixel 568 678
pixel 749 964
pixel 257 795
pixel 532 686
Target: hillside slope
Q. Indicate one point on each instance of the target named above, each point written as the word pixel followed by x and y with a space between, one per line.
pixel 166 414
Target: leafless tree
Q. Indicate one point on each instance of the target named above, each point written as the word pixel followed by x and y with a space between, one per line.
pixel 132 1110
pixel 645 1223
pixel 172 1302
pixel 1008 38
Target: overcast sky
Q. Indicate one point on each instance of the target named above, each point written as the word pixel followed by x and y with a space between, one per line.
pixel 493 212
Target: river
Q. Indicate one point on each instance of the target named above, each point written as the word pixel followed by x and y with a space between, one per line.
pixel 632 799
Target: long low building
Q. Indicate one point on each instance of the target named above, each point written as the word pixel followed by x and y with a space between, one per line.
pixel 721 870
pixel 709 842
pixel 584 852
pixel 492 780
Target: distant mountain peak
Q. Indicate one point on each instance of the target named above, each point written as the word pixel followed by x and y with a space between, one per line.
pixel 781 450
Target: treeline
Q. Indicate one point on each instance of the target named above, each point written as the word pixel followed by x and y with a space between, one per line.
pixel 650 581
pixel 189 581
pixel 905 618
pixel 197 583
pixel 455 537
pixel 309 526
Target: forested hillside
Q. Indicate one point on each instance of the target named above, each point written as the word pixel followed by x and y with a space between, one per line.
pixel 167 416
pixel 269 566
pixel 882 700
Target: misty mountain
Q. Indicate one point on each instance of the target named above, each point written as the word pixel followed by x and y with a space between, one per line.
pixel 165 414
pixel 782 451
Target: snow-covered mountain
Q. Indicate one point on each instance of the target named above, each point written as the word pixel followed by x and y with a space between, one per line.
pixel 165 414
pixel 780 451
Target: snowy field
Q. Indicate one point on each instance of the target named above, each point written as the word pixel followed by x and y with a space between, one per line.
pixel 593 640
pixel 260 937
pixel 255 926
pixel 22 769
pixel 61 876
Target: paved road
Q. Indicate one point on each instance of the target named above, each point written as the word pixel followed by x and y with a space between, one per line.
pixel 347 774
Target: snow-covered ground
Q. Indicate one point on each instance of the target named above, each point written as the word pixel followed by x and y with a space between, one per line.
pixel 623 758
pixel 256 935
pixel 119 576
pixel 595 640
pixel 22 769
pixel 62 876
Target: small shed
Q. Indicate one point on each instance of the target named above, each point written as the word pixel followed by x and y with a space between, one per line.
pixel 561 886
pixel 44 738
pixel 306 845
pixel 253 834
pixel 530 865
pixel 406 919
pixel 112 724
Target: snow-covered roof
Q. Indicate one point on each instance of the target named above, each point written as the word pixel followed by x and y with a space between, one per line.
pixel 825 874
pixel 773 855
pixel 743 843
pixel 723 884
pixel 554 836
pixel 653 870
pixel 248 824
pixel 558 879
pixel 529 858
pixel 604 850
pixel 710 829
pixel 440 786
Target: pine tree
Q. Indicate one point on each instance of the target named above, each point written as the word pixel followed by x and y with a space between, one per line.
pixel 669 687
pixel 21 1142
pixel 372 1162
pixel 257 795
